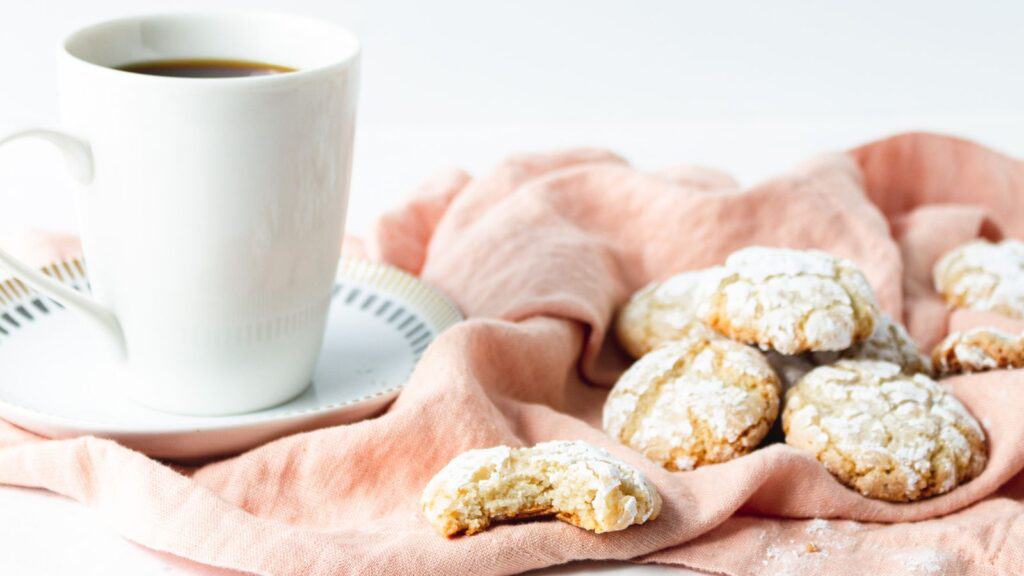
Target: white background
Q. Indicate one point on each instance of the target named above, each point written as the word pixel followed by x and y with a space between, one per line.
pixel 751 87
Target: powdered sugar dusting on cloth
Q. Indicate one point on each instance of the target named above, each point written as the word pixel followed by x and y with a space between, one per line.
pixel 817 526
pixel 537 252
pixel 922 561
pixel 809 551
pixel 806 553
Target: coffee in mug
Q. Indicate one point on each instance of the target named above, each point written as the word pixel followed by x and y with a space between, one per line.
pixel 212 209
pixel 204 68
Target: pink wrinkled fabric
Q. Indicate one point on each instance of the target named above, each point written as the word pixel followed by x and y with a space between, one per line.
pixel 538 253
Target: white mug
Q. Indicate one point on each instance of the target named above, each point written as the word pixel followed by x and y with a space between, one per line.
pixel 212 210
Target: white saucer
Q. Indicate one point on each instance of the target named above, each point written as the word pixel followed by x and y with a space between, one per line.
pixel 381 321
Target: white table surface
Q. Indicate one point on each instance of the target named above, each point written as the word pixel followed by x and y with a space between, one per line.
pixel 460 82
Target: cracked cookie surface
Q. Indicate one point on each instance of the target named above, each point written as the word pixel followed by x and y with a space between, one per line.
pixel 890 342
pixel 978 350
pixel 983 275
pixel 699 400
pixel 791 301
pixel 884 433
pixel 576 482
pixel 661 312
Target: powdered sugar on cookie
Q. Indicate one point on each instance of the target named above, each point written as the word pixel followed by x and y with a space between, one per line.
pixel 983 275
pixel 661 312
pixel 574 481
pixel 889 341
pixel 884 433
pixel 695 401
pixel 978 350
pixel 791 301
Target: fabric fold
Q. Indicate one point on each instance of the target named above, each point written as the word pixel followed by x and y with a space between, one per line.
pixel 539 253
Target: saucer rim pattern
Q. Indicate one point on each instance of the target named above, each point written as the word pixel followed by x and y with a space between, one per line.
pixel 431 305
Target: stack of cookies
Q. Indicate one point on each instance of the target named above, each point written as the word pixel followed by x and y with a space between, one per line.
pixel 985 276
pixel 717 350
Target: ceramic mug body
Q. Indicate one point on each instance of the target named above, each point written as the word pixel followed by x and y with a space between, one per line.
pixel 213 221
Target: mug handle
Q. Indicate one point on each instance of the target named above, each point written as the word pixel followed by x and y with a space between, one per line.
pixel 78 157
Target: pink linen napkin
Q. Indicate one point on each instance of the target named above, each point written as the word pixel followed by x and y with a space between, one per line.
pixel 538 253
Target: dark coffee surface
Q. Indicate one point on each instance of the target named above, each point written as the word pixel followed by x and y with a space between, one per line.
pixel 205 68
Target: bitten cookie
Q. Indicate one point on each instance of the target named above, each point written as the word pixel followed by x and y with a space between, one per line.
pixel 791 301
pixel 978 350
pixel 982 275
pixel 890 342
pixel 886 434
pixel 696 401
pixel 574 481
pixel 661 312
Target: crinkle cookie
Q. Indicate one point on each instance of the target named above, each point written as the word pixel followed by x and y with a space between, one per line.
pixel 889 341
pixel 574 481
pixel 982 275
pixel 696 401
pixel 661 312
pixel 884 433
pixel 791 301
pixel 978 350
